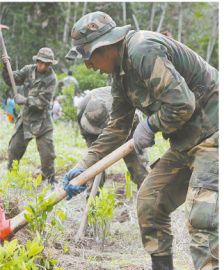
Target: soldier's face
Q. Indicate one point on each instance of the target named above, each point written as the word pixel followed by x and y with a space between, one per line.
pixel 42 67
pixel 104 59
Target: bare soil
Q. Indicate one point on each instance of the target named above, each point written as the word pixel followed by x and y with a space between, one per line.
pixel 123 248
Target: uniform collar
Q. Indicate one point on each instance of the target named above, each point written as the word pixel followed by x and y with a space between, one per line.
pixel 121 53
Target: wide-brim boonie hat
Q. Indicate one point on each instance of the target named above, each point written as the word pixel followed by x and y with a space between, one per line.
pixel 85 51
pixel 92 31
pixel 88 127
pixel 95 117
pixel 45 55
pixel 35 58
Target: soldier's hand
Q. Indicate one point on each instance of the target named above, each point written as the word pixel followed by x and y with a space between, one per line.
pixel 143 136
pixel 5 58
pixel 20 99
pixel 71 189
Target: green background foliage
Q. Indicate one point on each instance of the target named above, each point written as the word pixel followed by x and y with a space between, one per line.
pixel 35 24
pixel 89 79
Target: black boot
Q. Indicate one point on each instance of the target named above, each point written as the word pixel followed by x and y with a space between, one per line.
pixel 162 262
pixel 52 181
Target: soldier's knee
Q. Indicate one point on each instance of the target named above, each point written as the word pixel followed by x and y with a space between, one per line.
pixel 47 152
pixel 147 204
pixel 202 209
pixel 15 151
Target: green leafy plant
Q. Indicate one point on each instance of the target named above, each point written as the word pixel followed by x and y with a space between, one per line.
pixel 67 104
pixel 14 186
pixel 89 79
pixel 101 209
pixel 17 184
pixel 30 256
pixel 37 212
pixel 16 178
pixel 128 185
pixel 64 161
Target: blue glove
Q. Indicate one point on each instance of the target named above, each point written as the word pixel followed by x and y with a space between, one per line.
pixel 143 136
pixel 71 189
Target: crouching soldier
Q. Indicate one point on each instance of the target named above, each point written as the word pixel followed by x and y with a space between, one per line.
pixel 39 81
pixel 93 115
pixel 178 92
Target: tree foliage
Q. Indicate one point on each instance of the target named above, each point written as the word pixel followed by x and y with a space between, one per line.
pixel 37 24
pixel 89 79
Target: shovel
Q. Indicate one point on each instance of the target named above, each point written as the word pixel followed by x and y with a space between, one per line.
pixel 11 226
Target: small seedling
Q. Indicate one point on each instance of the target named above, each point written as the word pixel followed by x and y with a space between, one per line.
pixel 128 186
pixel 100 214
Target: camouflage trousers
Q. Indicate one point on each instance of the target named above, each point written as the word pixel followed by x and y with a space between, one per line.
pixel 45 146
pixel 135 163
pixel 190 177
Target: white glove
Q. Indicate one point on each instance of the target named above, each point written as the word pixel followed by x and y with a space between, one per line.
pixel 20 99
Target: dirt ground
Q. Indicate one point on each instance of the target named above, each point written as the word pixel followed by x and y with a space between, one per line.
pixel 123 248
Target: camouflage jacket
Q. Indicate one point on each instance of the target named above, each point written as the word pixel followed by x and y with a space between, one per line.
pixel 167 81
pixel 38 88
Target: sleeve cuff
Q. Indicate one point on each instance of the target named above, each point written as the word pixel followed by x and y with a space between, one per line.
pixel 153 128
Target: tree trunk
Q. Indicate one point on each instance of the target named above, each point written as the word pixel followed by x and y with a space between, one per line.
pixel 2 10
pixel 124 12
pixel 213 37
pixel 84 8
pixel 180 23
pixel 75 13
pixel 136 22
pixel 162 18
pixel 74 20
pixel 67 19
pixel 152 16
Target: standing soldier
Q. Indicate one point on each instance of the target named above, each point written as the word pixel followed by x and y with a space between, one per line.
pixel 70 80
pixel 178 91
pixel 93 115
pixel 39 82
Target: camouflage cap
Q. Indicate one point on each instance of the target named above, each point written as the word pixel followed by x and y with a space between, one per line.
pixel 45 55
pixel 95 117
pixel 92 31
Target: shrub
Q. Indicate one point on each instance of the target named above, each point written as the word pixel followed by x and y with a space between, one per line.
pixel 67 104
pixel 87 78
pixel 29 256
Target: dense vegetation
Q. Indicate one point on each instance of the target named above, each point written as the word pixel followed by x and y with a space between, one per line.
pixel 38 24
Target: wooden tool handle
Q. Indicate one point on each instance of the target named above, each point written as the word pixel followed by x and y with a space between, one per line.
pixel 19 221
pixel 8 65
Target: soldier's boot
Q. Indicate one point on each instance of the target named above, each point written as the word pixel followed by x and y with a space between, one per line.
pixel 162 262
pixel 52 180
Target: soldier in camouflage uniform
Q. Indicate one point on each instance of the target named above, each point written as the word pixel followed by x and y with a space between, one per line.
pixel 39 81
pixel 93 115
pixel 178 92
